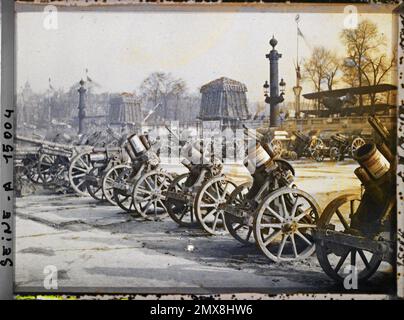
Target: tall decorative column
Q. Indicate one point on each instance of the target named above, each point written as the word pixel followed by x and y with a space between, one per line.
pixel 82 106
pixel 274 98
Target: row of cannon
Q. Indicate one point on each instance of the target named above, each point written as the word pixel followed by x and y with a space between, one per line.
pixel 285 222
pixel 335 146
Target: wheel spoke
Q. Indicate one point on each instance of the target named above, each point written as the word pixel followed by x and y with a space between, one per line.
pixel 341 261
pixel 364 259
pixel 306 225
pixel 285 210
pixel 353 257
pixel 249 234
pixel 294 208
pixel 215 221
pixel 342 219
pixel 268 240
pixel 292 238
pixel 271 225
pixel 208 214
pixel 281 219
pixel 282 245
pixel 303 237
pixel 209 194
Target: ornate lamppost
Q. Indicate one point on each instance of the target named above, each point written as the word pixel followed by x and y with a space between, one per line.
pixel 82 105
pixel 274 98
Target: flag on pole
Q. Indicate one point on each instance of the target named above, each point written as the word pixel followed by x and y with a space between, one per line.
pixel 297 18
pixel 300 33
pixel 50 85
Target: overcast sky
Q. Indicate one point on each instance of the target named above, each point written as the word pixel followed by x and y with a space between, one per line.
pixel 121 48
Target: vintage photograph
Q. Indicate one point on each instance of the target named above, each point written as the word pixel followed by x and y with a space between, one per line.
pixel 229 149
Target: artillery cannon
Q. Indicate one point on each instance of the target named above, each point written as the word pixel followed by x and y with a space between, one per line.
pixel 280 216
pixel 26 173
pixel 53 161
pixel 138 187
pixel 197 198
pixel 354 233
pixel 342 145
pixel 310 147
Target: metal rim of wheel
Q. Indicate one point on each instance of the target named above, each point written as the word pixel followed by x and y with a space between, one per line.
pixel 78 170
pixel 125 201
pixel 47 168
pixel 108 182
pixel 236 226
pixel 283 226
pixel 149 194
pixel 182 214
pixel 95 189
pixel 334 259
pixel 356 144
pixel 209 204
pixel 334 154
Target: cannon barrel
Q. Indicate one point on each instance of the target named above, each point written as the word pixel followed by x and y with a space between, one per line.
pixel 380 129
pixel 46 143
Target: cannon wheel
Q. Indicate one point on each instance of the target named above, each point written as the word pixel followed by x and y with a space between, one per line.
pixel 356 144
pixel 316 149
pixel 108 182
pixel 209 204
pixel 180 212
pixel 124 201
pixel 50 168
pixel 284 224
pixel 95 189
pixel 31 169
pixel 79 168
pixel 149 194
pixel 333 258
pixel 235 225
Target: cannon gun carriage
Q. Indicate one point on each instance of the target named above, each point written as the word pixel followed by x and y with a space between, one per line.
pixel 271 211
pixel 196 198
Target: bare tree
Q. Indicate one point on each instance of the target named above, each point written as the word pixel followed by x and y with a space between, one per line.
pixel 366 65
pixel 162 87
pixel 322 66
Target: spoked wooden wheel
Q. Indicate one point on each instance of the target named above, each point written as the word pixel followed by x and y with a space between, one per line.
pixel 108 182
pixel 78 170
pixel 51 168
pixel 336 260
pixel 316 149
pixel 31 168
pixel 122 195
pixel 180 211
pixel 210 202
pixel 149 194
pixel 241 228
pixel 94 184
pixel 284 225
pixel 356 144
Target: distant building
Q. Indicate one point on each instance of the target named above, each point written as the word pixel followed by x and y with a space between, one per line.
pixel 224 99
pixel 124 109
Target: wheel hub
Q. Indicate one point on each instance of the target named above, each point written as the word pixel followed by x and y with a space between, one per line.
pixel 289 227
